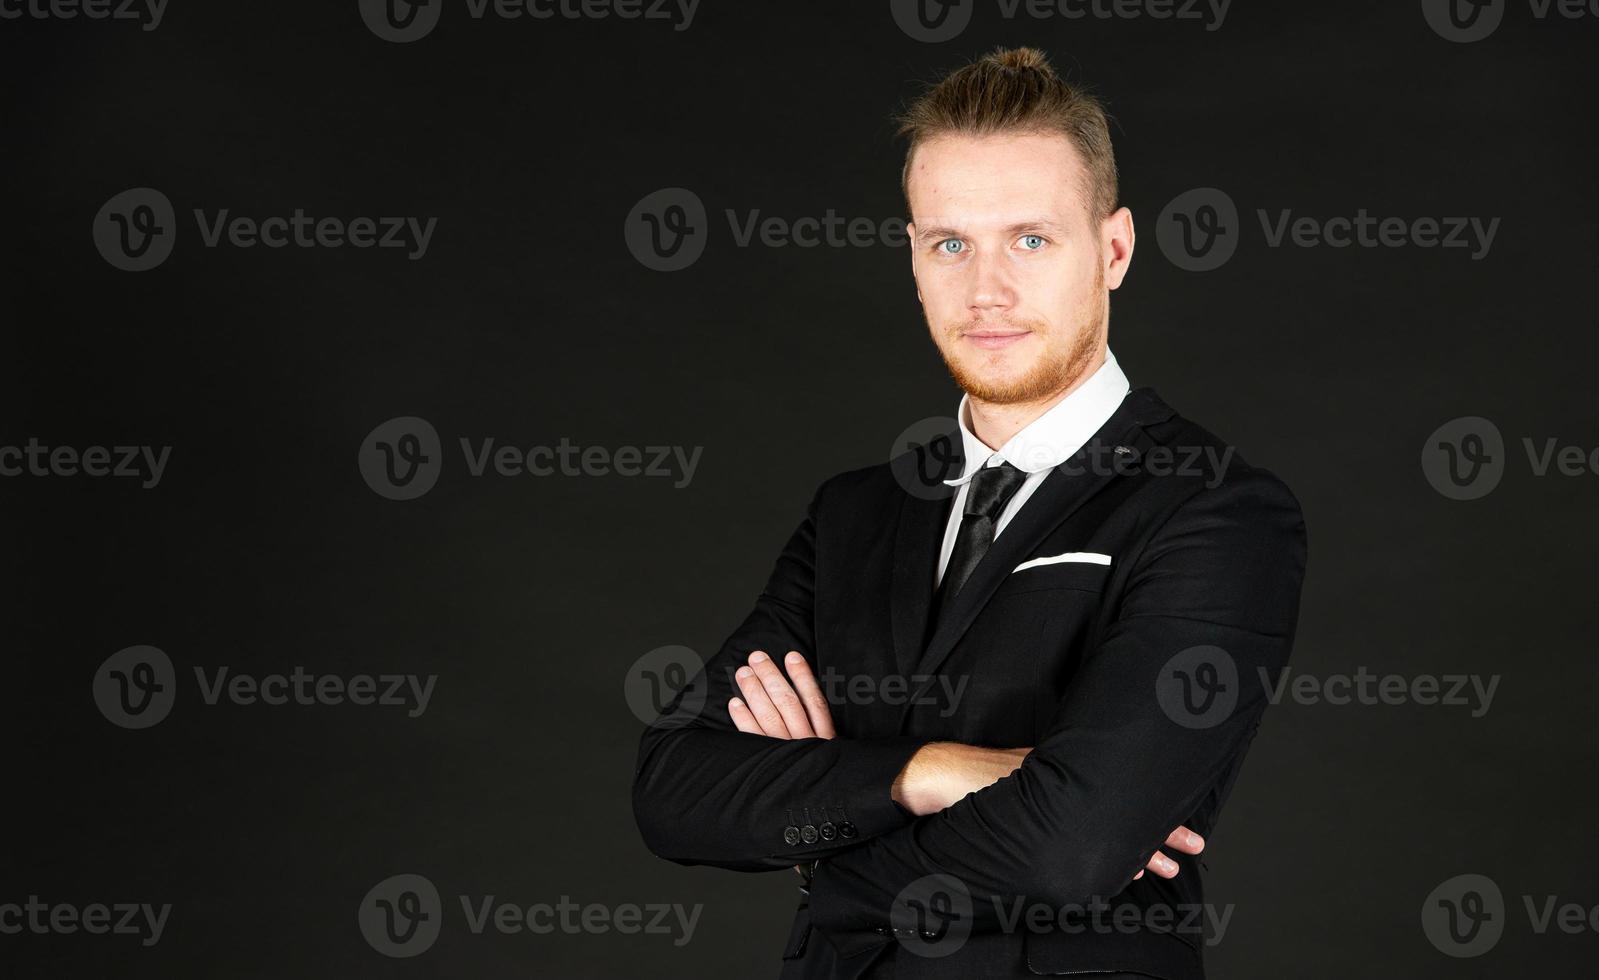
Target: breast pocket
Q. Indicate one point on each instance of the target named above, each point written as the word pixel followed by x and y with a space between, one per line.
pixel 1080 575
pixel 1037 625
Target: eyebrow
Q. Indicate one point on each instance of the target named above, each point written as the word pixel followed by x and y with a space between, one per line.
pixel 940 232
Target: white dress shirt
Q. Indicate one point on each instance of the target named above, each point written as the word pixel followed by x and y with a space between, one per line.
pixel 1043 444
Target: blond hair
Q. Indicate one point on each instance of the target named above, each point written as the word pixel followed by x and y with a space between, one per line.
pixel 1016 90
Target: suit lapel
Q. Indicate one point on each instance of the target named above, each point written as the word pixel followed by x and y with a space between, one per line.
pixel 1063 491
pixel 924 510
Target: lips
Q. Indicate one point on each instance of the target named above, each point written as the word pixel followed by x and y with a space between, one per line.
pixel 994 339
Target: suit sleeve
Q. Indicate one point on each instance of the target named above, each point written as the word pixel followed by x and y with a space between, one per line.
pixel 1211 603
pixel 706 793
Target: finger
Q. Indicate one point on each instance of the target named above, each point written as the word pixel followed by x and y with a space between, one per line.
pixel 810 694
pixel 759 704
pixel 1162 865
pixel 1139 875
pixel 1186 840
pixel 742 719
pixel 782 695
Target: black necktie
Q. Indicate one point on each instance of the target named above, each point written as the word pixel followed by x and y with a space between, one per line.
pixel 986 497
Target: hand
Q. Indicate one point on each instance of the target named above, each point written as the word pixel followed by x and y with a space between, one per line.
pixel 1182 839
pixel 772 708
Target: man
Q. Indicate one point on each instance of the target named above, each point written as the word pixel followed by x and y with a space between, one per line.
pixel 1080 639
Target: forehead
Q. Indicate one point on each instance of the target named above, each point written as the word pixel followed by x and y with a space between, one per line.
pixel 995 179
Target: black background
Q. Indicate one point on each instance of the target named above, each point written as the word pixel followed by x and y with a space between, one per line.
pixel 529 320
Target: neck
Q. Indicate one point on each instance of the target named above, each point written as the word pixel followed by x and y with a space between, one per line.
pixel 996 423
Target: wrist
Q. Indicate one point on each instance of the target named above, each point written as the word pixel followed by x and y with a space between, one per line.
pixel 941 774
pixel 917 787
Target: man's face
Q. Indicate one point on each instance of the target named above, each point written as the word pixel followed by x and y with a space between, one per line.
pixel 1011 271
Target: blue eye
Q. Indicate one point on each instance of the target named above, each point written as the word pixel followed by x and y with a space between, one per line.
pixel 1032 242
pixel 952 246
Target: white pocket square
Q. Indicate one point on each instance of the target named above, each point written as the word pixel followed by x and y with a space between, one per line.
pixel 1086 557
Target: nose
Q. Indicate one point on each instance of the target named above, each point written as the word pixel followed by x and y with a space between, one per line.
pixel 991 284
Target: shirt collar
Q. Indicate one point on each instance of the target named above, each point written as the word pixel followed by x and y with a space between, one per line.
pixel 1052 438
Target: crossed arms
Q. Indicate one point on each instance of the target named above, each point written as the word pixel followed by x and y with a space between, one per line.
pixel 1071 820
pixel 937 775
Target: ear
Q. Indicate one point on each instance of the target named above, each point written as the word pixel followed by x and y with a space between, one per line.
pixel 1116 237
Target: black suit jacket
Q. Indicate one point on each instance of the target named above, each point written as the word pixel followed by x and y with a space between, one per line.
pixel 1140 684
